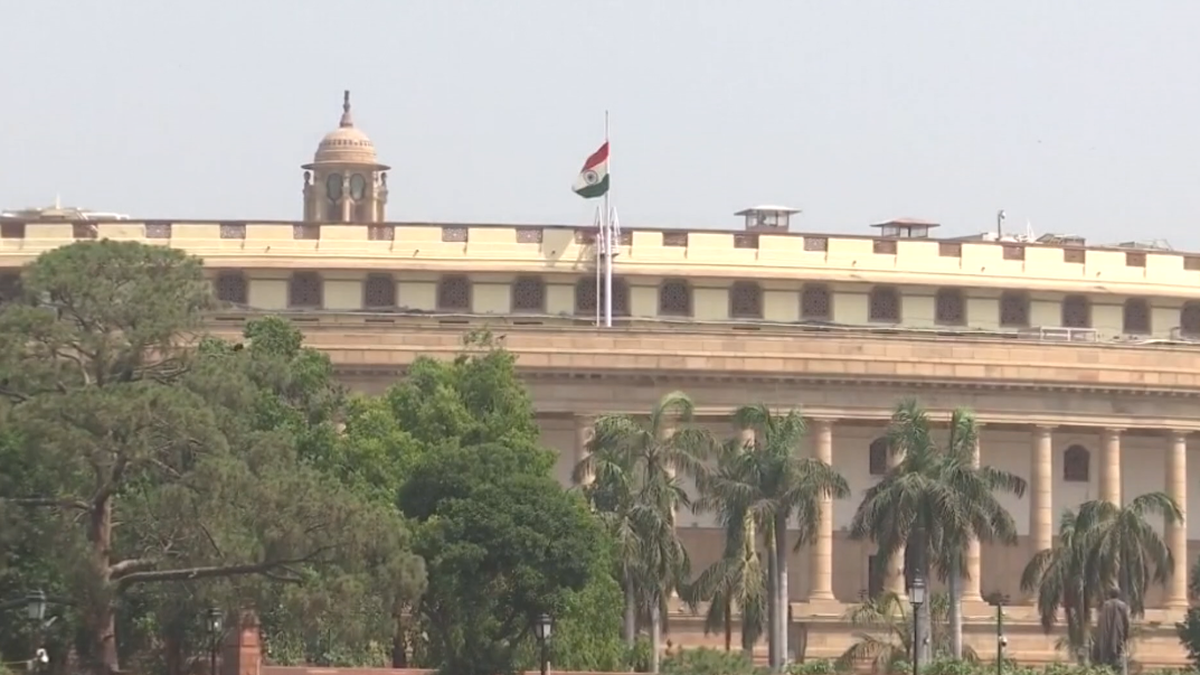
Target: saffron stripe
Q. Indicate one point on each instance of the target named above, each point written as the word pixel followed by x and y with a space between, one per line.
pixel 598 157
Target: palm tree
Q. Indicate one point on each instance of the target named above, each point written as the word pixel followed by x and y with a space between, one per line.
pixel 768 482
pixel 936 500
pixel 885 635
pixel 1100 547
pixel 738 579
pixel 637 466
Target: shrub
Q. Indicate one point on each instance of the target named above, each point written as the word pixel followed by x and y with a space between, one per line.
pixel 1188 631
pixel 813 667
pixel 705 661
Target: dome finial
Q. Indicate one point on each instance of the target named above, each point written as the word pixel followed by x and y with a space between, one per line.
pixel 346 120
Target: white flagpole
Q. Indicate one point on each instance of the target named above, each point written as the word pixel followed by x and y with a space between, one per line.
pixel 598 223
pixel 610 245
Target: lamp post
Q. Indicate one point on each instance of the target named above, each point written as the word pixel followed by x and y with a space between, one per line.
pixel 215 623
pixel 542 630
pixel 916 595
pixel 35 609
pixel 999 600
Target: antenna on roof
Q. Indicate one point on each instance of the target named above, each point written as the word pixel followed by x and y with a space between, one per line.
pixel 1000 224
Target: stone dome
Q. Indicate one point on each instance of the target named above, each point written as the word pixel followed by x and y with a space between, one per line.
pixel 347 144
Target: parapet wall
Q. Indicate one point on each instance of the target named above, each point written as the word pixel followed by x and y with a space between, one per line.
pixel 567 249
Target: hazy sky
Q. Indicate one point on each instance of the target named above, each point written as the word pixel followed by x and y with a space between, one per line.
pixel 1081 116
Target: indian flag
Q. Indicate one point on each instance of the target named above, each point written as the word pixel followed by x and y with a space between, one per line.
pixel 593 178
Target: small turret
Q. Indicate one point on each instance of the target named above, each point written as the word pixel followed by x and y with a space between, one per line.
pixel 906 228
pixel 767 218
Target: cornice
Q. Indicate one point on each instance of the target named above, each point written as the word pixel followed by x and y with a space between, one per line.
pixel 699 355
pixel 684 378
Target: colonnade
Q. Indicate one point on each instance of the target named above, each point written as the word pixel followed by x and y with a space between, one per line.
pixel 1041 510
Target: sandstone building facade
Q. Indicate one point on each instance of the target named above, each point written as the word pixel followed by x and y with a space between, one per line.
pixel 1082 363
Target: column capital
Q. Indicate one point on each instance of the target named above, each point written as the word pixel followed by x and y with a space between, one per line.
pixel 1179 433
pixel 1043 428
pixel 1113 430
pixel 823 420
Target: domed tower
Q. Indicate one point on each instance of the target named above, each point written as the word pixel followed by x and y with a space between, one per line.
pixel 345 183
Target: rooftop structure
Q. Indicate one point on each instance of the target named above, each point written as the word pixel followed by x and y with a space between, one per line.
pixel 60 214
pixel 906 228
pixel 769 219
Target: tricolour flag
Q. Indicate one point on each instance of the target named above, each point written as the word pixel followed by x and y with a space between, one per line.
pixel 593 178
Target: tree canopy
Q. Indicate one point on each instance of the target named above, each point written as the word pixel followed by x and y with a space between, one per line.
pixel 502 540
pixel 152 472
pixel 150 458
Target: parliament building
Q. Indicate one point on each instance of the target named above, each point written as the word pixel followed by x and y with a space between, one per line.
pixel 1081 362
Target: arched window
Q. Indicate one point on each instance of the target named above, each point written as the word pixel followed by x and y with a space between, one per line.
pixel 1076 464
pixel 1189 319
pixel 884 305
pixel 1076 312
pixel 587 299
pixel 231 287
pixel 379 291
pixel 529 295
pixel 950 308
pixel 1014 309
pixel 454 294
pixel 816 303
pixel 745 300
pixel 304 290
pixel 333 194
pixel 877 457
pixel 1136 317
pixel 675 298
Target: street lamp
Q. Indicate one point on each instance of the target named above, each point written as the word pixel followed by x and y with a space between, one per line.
pixel 215 624
pixel 999 600
pixel 542 630
pixel 35 606
pixel 35 609
pixel 916 595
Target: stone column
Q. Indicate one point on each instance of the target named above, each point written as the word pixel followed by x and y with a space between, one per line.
pixel 664 434
pixel 971 584
pixel 821 565
pixel 1110 466
pixel 894 578
pixel 585 431
pixel 1177 534
pixel 347 203
pixel 1041 495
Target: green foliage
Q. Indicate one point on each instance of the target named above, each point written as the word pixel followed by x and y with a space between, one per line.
pixel 213 461
pixel 943 665
pixel 813 667
pixel 1102 546
pixel 934 500
pixel 476 399
pixel 884 635
pixel 1188 631
pixel 503 542
pixel 634 478
pixel 587 628
pixel 500 550
pixel 757 488
pixel 704 661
